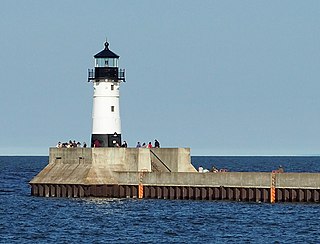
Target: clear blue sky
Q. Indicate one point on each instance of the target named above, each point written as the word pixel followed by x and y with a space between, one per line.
pixel 220 77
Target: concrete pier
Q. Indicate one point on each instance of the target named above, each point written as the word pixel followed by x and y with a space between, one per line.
pixel 162 173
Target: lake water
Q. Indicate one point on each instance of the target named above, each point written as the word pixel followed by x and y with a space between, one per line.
pixel 28 219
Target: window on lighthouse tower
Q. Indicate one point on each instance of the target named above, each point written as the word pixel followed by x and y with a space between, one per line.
pixel 112 108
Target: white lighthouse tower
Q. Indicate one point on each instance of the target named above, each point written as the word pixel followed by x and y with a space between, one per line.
pixel 106 78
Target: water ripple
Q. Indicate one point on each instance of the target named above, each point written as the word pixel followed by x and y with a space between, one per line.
pixel 27 219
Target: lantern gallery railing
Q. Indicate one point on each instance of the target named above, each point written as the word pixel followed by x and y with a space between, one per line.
pixel 100 73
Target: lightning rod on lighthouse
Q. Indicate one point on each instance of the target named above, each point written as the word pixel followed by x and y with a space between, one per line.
pixel 106 78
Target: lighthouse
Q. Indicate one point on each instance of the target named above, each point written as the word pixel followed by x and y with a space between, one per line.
pixel 106 78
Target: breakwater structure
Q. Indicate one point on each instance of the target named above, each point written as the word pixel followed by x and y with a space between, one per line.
pixel 162 173
pixel 107 170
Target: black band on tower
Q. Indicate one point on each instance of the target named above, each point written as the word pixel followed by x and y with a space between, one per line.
pixel 106 140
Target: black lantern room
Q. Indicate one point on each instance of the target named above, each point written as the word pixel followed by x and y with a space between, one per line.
pixel 106 66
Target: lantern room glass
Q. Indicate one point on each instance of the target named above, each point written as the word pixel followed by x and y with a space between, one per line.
pixel 106 62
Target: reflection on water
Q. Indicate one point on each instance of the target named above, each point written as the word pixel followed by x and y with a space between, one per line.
pixel 103 201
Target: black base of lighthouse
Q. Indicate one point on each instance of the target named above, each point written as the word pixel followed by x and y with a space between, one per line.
pixel 106 140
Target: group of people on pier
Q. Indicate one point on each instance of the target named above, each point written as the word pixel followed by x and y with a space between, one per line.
pixel 96 143
pixel 70 144
pixel 144 145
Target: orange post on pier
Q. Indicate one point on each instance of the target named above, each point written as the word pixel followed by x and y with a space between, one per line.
pixel 140 187
pixel 140 195
pixel 273 187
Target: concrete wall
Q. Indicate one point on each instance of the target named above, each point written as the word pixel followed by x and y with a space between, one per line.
pixel 301 180
pixel 230 179
pixel 125 159
pixel 97 165
pixel 176 159
pixel 127 166
pixel 223 179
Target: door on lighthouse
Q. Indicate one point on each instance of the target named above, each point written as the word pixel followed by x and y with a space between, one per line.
pixel 114 140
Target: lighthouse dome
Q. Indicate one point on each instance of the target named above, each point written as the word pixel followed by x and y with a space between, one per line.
pixel 106 53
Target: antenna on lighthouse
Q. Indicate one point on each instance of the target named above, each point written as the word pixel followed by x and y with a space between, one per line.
pixel 106 78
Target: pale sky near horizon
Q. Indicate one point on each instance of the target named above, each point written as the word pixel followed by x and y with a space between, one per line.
pixel 220 77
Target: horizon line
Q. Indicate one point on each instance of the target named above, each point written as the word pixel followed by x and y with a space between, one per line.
pixel 192 155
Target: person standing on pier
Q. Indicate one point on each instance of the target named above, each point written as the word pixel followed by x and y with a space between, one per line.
pixel 156 143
